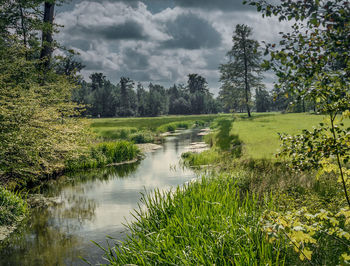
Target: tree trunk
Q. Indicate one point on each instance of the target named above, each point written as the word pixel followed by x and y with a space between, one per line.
pixel 47 40
pixel 246 77
pixel 24 30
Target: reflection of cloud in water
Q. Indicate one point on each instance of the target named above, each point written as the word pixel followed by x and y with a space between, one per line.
pixel 94 204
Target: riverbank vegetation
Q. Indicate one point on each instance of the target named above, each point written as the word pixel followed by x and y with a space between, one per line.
pixel 234 213
pixel 12 207
pixel 104 154
pixel 146 129
pixel 302 215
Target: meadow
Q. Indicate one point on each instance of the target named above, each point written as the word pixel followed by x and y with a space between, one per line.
pixel 247 208
pixel 259 133
pixel 144 129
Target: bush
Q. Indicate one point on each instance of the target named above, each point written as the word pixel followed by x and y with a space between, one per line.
pixel 12 206
pixel 144 136
pixel 103 154
pixel 171 127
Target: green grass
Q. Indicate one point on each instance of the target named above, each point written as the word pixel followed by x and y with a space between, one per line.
pixel 12 207
pixel 126 128
pixel 207 222
pixel 259 133
pixel 147 122
pixel 103 154
pixel 218 220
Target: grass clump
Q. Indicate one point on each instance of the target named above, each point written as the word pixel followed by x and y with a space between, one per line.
pixel 171 127
pixel 103 154
pixel 207 222
pixel 207 157
pixel 122 133
pixel 143 136
pixel 12 207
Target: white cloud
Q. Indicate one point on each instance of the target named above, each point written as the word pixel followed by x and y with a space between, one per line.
pixel 129 40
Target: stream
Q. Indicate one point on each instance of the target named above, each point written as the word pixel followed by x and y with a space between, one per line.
pixel 92 205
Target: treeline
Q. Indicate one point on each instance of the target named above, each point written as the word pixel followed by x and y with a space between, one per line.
pixel 102 98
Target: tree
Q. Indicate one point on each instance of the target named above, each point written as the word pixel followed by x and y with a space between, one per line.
pixel 127 105
pixel 262 100
pixel 197 87
pixel 157 101
pixel 313 62
pixel 243 70
pixel 47 31
pixel 232 98
pixel 142 97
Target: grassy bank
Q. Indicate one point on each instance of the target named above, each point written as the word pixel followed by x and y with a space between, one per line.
pixel 145 129
pixel 207 223
pixel 248 210
pixel 12 207
pixel 102 154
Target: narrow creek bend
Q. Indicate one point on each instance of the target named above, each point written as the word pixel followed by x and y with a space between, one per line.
pixel 91 205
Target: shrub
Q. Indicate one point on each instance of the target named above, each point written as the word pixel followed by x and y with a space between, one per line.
pixel 144 136
pixel 103 154
pixel 12 206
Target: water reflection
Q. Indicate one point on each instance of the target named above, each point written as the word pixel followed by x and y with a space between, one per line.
pixel 90 205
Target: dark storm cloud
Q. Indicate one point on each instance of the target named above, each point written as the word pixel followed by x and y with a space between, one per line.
pixel 158 5
pixel 225 5
pixel 129 30
pixel 191 32
pixel 93 65
pixel 135 60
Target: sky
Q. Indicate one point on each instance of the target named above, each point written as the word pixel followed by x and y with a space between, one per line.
pixel 159 41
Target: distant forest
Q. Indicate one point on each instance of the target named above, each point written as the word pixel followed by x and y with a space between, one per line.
pixel 102 98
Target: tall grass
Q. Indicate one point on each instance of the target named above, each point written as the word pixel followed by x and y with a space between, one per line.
pixel 103 154
pixel 12 206
pixel 203 223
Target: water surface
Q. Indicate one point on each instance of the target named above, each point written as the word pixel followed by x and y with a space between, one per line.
pixel 91 205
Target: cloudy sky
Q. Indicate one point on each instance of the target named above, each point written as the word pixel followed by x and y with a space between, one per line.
pixel 159 41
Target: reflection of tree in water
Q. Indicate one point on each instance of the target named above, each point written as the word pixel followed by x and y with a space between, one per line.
pixel 47 238
pixel 54 187
pixel 40 243
pixel 75 208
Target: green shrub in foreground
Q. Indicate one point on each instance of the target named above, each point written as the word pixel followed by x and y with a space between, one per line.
pixel 103 154
pixel 204 223
pixel 11 207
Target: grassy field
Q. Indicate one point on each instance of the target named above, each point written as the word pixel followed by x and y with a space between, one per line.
pixel 124 128
pixel 259 133
pixel 227 216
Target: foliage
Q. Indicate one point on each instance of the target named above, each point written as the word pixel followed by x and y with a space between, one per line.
pixel 243 70
pixel 37 124
pixel 171 127
pixel 313 62
pixel 309 233
pixel 12 206
pixel 103 154
pixel 143 136
pixel 263 100
pixel 107 100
